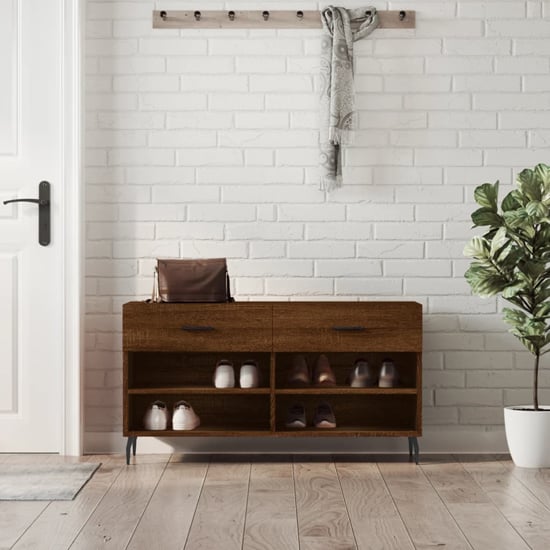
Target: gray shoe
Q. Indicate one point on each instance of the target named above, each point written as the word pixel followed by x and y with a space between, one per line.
pixel 362 375
pixel 296 416
pixel 389 377
pixel 324 417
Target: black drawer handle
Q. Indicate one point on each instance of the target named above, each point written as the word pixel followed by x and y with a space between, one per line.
pixel 348 328
pixel 197 328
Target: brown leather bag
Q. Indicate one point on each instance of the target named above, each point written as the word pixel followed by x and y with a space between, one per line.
pixel 193 280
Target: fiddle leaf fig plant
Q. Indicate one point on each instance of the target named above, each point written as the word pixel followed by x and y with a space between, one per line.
pixel 512 259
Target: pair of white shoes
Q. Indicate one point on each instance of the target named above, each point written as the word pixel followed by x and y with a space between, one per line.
pixel 224 375
pixel 183 418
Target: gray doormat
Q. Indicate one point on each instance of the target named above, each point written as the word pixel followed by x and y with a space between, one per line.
pixel 44 482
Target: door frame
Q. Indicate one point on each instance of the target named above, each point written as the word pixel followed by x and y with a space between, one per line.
pixel 72 208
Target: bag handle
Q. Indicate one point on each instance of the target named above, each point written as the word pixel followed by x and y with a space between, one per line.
pixel 155 296
pixel 228 288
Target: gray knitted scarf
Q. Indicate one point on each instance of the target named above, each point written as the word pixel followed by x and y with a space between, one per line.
pixel 336 83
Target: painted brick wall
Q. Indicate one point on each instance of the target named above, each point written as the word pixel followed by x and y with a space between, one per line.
pixel 204 144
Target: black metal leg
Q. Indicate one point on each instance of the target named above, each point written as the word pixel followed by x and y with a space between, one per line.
pixel 130 445
pixel 414 451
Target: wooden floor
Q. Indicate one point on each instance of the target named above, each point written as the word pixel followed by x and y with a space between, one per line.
pixel 277 503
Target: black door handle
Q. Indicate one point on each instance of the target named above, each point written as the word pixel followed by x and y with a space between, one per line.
pixel 44 215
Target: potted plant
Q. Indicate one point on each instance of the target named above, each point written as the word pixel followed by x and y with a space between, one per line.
pixel 513 260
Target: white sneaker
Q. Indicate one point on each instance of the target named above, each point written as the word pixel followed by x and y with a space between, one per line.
pixel 249 375
pixel 224 375
pixel 156 416
pixel 184 417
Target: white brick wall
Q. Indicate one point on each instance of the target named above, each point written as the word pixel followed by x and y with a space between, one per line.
pixel 204 143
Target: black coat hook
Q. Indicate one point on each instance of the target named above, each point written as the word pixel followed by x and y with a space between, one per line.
pixel 300 14
pixel 231 15
pixel 265 15
pixel 197 15
pixel 368 13
pixel 163 15
pixel 402 15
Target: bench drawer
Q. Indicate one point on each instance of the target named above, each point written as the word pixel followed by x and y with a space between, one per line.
pixel 347 326
pixel 242 326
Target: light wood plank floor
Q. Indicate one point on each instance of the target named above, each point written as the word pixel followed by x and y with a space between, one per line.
pixel 197 502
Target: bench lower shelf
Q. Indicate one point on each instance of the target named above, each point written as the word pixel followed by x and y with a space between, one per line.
pixel 414 452
pixel 347 431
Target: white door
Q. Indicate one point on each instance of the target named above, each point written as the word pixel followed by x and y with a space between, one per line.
pixel 31 275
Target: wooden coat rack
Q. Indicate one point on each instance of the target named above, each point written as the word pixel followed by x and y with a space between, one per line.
pixel 266 19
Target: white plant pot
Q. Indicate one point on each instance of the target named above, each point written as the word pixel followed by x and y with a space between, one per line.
pixel 528 436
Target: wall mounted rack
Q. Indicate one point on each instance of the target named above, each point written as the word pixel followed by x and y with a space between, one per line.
pixel 265 19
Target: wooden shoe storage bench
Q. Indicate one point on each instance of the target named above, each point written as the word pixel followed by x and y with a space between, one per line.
pixel 171 350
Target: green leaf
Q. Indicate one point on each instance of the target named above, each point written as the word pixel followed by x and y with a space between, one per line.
pixel 517 301
pixel 527 342
pixel 512 257
pixel 486 195
pixel 514 218
pixel 543 173
pixel 520 197
pixel 530 184
pixel 533 342
pixel 484 282
pixel 529 345
pixel 478 247
pixel 514 317
pixel 510 202
pixel 513 290
pixel 483 268
pixel 542 310
pixel 544 235
pixel 536 209
pixel 499 242
pixel 533 327
pixel 541 296
pixel 531 269
pixel 486 216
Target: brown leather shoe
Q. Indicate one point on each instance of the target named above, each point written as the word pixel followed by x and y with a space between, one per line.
pixel 323 375
pixel 299 374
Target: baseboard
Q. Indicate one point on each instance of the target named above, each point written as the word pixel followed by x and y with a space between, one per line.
pixel 434 440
